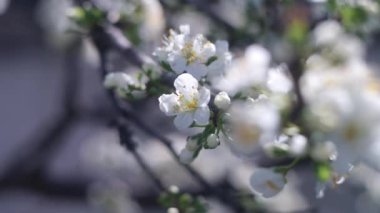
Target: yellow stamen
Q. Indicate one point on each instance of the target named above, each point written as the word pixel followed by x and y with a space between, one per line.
pixel 351 132
pixel 247 134
pixel 189 53
pixel 270 184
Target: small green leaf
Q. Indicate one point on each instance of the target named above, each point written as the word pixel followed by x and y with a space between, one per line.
pixel 297 32
pixel 211 59
pixel 166 66
pixel 323 171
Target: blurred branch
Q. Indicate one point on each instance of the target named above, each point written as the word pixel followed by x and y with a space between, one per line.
pixel 125 136
pixel 204 8
pixel 234 32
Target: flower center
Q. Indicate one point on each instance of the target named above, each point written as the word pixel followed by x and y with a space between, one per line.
pixel 351 132
pixel 272 185
pixel 247 134
pixel 189 53
pixel 373 86
pixel 188 105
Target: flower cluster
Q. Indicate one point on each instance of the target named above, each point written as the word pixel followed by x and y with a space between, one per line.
pixel 342 96
pixel 183 52
pixel 248 103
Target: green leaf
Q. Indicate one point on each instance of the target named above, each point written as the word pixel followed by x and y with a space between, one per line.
pixel 297 32
pixel 211 59
pixel 166 66
pixel 353 16
pixel 323 171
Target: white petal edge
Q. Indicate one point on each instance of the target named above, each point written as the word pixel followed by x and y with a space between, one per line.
pixel 183 120
pixel 202 115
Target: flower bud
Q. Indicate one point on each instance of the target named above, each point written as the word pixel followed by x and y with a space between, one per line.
pixel 323 151
pixel 174 189
pixel 222 100
pixel 186 156
pixel 118 80
pixel 212 141
pixel 298 145
pixel 173 210
pixel 192 144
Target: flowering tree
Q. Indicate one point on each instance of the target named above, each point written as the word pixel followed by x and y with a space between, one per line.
pixel 292 83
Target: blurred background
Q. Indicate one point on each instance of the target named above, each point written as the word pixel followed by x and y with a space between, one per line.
pixel 60 150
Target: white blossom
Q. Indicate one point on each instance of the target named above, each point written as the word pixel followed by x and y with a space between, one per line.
pixel 252 75
pixel 266 182
pixel 185 52
pixel 223 60
pixel 250 70
pixel 278 81
pixel 189 103
pixel 118 80
pixel 343 102
pixel 330 36
pixel 123 84
pixel 250 125
pixel 222 100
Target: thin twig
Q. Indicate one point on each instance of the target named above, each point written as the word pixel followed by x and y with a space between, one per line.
pixel 127 140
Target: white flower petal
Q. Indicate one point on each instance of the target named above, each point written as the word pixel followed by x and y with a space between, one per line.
pixel 185 83
pixel 177 63
pixel 118 79
pixel 278 81
pixel 183 120
pixel 266 182
pixel 184 29
pixel 204 97
pixel 198 70
pixel 168 104
pixel 257 56
pixel 202 115
pixel 208 51
pixel 221 47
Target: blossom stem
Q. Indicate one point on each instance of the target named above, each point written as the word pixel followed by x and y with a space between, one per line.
pixel 285 169
pixel 126 140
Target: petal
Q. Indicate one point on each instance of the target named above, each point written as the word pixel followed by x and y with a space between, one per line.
pixel 204 97
pixel 278 81
pixel 118 79
pixel 168 104
pixel 197 70
pixel 183 120
pixel 202 115
pixel 258 57
pixel 177 63
pixel 198 44
pixel 266 182
pixel 208 51
pixel 184 29
pixel 185 83
pixel 221 47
